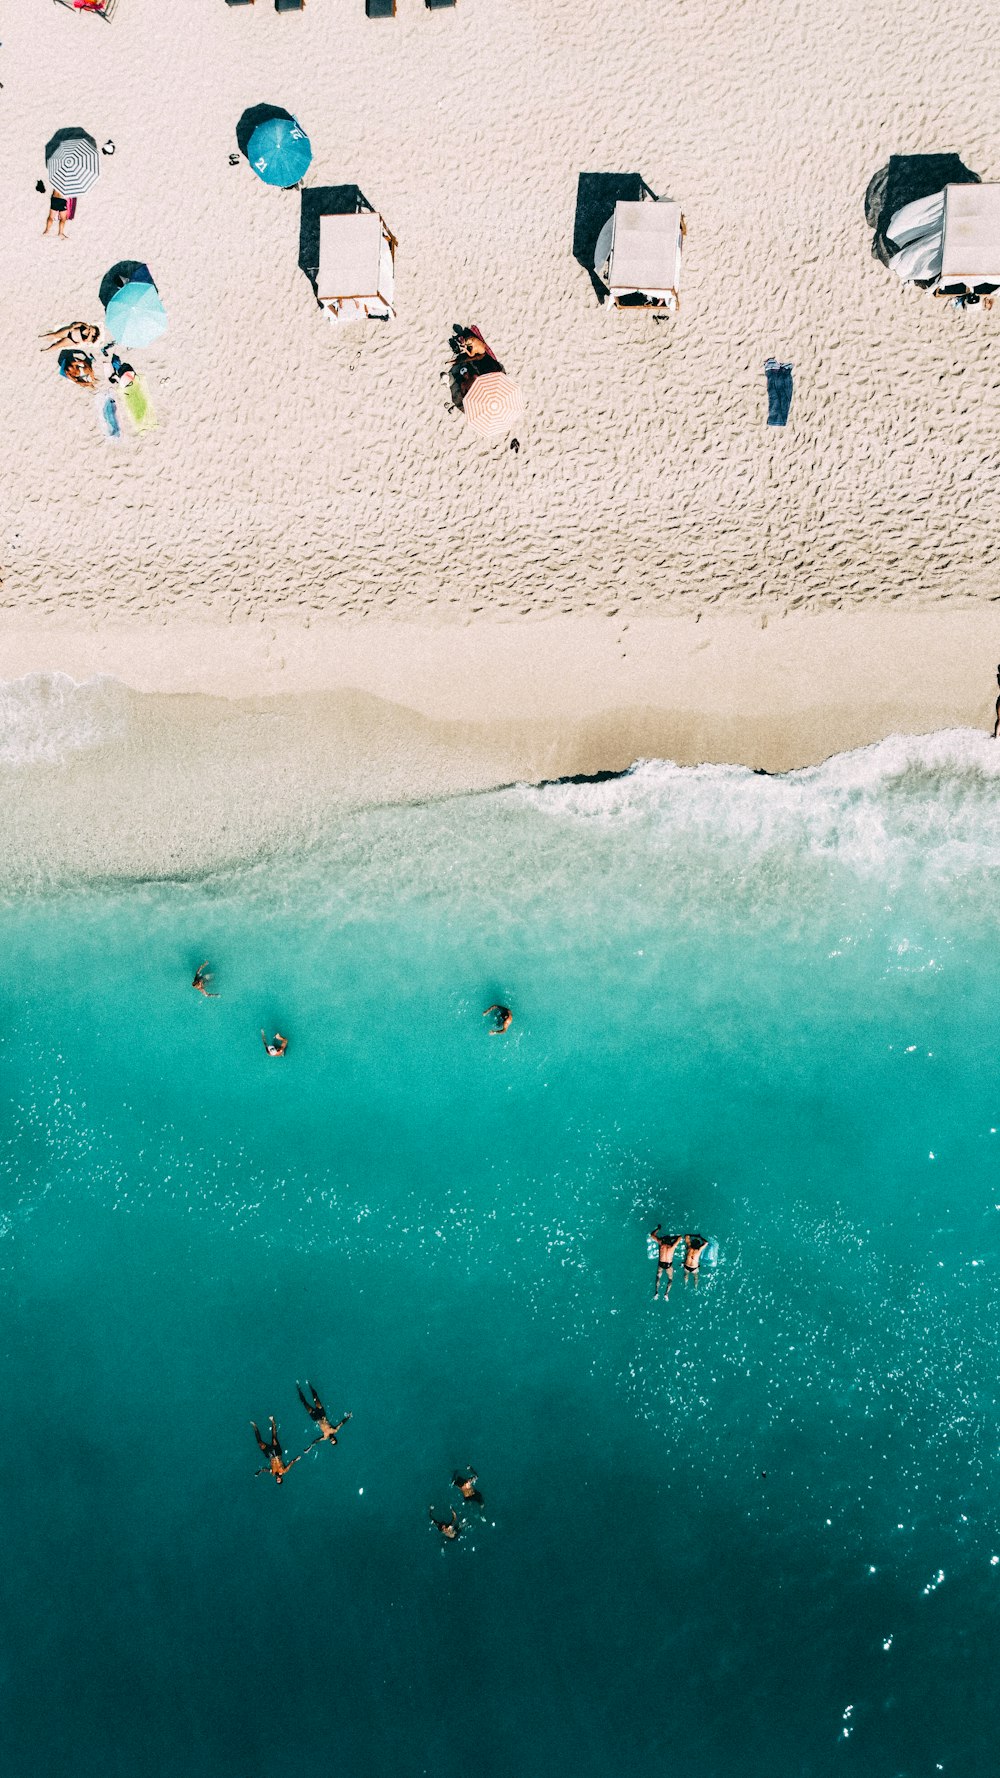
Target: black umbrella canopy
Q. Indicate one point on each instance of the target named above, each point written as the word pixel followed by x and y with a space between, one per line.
pixel 71 133
pixel 904 179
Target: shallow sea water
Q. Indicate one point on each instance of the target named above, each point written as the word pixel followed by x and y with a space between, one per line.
pixel 752 1528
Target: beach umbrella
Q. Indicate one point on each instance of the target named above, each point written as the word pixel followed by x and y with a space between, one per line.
pixel 492 405
pixel 135 315
pixel 72 162
pixel 279 151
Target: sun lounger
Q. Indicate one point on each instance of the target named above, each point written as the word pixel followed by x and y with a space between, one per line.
pixel 433 5
pixel 380 9
pixel 289 5
pixel 239 2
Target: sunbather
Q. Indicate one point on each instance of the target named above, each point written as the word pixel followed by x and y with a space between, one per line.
pixel 78 367
pixel 78 333
pixel 59 208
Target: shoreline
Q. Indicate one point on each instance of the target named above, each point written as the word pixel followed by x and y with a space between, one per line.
pixel 562 696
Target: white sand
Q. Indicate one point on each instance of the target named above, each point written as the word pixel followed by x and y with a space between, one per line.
pixel 303 480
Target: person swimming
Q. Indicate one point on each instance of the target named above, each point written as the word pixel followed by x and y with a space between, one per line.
pixel 318 1414
pixel 276 1045
pixel 449 1528
pixel 466 1485
pixel 694 1246
pixel 202 975
pixel 502 1018
pixel 667 1246
pixel 276 1464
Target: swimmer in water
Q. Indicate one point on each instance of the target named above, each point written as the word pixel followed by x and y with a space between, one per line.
pixel 503 1018
pixel 466 1485
pixel 667 1245
pixel 694 1246
pixel 276 1464
pixel 276 1045
pixel 202 975
pixel 318 1414
pixel 449 1528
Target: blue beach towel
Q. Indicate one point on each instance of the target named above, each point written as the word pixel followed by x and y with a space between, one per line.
pixel 779 391
pixel 108 415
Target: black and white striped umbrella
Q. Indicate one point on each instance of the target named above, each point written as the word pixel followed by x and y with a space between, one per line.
pixel 72 163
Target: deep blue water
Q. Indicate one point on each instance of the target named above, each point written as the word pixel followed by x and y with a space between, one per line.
pixel 763 1008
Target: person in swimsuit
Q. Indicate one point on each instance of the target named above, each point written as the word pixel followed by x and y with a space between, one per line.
pixel 78 367
pixel 58 207
pixel 449 1528
pixel 318 1414
pixel 276 1045
pixel 503 1018
pixel 667 1245
pixel 996 725
pixel 202 975
pixel 694 1246
pixel 466 1485
pixel 276 1464
pixel 78 333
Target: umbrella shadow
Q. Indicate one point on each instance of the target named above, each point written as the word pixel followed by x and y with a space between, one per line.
pixel 126 271
pixel 71 133
pixel 252 119
pixel 904 179
pixel 318 201
pixel 596 197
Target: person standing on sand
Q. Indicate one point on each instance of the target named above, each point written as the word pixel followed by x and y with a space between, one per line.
pixel 59 207
pixel 996 725
pixel 202 975
pixel 667 1246
pixel 318 1415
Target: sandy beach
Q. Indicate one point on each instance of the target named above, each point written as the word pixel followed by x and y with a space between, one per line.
pixel 656 571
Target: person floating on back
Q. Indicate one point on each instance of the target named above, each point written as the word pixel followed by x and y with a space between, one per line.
pixel 667 1246
pixel 318 1415
pixel 276 1045
pixel 202 975
pixel 449 1528
pixel 502 1018
pixel 694 1246
pixel 276 1464
pixel 466 1485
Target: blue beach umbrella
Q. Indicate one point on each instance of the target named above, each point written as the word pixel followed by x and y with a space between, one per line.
pixel 279 151
pixel 136 316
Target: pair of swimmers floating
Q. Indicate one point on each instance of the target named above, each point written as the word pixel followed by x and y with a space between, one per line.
pixel 271 1447
pixel 275 1046
pixel 667 1245
pixel 466 1485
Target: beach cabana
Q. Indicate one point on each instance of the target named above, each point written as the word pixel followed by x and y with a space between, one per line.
pixel 970 243
pixel 356 277
pixel 638 255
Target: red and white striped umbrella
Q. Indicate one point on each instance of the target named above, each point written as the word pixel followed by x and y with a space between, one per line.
pixel 492 405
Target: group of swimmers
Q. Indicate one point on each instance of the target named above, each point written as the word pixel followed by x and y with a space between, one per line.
pixel 277 1045
pixel 666 1247
pixel 277 1465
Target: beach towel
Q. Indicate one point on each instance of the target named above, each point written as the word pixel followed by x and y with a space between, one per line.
pixel 139 407
pixel 779 391
pixel 107 413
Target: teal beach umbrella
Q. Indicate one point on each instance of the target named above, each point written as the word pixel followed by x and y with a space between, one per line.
pixel 136 316
pixel 279 151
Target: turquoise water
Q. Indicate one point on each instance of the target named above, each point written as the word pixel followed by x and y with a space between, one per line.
pixel 765 1008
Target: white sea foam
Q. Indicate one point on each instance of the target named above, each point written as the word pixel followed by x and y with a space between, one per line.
pixel 47 717
pixel 929 800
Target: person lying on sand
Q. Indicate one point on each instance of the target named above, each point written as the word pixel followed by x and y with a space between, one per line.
pixel 693 1248
pixel 318 1414
pixel 667 1245
pixel 503 1018
pixel 202 975
pixel 450 1528
pixel 276 1045
pixel 78 333
pixel 466 1485
pixel 276 1464
pixel 78 367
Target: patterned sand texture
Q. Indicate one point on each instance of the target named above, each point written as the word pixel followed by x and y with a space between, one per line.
pixel 301 470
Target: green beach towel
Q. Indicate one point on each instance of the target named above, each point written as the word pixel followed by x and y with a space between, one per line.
pixel 139 407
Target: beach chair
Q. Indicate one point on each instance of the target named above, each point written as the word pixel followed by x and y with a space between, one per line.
pixel 434 5
pixel 380 9
pixel 102 8
pixel 239 2
pixel 289 5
